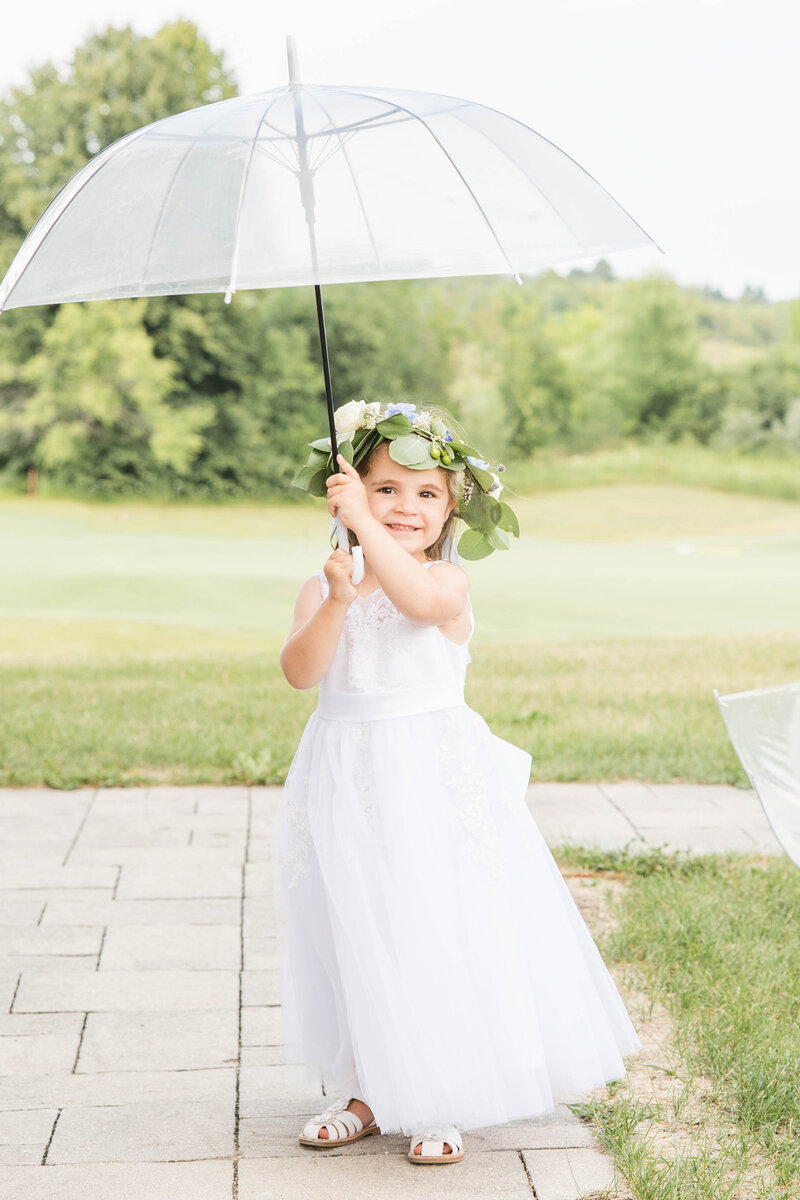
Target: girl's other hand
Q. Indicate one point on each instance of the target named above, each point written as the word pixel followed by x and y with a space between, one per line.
pixel 338 572
pixel 347 496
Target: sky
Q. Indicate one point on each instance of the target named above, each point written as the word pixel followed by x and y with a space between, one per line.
pixel 684 110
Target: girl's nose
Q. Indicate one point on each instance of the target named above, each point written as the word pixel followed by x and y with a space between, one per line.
pixel 404 503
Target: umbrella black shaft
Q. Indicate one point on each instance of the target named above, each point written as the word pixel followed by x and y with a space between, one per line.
pixel 326 370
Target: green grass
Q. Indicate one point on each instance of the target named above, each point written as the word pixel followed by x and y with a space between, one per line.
pixel 639 709
pixel 608 561
pixel 714 939
pixel 139 641
pixel 687 463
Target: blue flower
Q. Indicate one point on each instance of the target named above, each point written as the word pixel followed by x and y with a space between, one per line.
pixel 478 462
pixel 448 437
pixel 407 410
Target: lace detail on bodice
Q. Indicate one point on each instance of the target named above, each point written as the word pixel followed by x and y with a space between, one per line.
pixel 381 650
pixel 371 620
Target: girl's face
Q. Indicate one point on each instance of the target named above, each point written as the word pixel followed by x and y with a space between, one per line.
pixel 412 505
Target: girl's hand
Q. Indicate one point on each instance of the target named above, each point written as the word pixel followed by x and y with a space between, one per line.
pixel 338 572
pixel 347 496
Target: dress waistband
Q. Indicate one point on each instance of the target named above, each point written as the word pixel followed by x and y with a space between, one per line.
pixel 376 706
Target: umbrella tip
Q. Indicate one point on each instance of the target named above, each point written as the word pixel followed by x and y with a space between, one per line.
pixel 291 54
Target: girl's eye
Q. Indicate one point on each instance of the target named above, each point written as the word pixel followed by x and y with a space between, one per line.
pixel 386 489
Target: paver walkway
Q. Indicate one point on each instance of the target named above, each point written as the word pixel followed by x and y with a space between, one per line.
pixel 139 1054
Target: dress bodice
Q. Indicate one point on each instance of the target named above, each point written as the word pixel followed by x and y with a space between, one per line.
pixel 399 665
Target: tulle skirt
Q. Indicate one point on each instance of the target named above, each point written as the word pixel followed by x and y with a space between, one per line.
pixel 433 961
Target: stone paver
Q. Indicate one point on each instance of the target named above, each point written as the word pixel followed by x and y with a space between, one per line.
pixel 159 1041
pixel 383 1172
pixel 71 1089
pixel 140 1025
pixel 568 1174
pixel 120 1181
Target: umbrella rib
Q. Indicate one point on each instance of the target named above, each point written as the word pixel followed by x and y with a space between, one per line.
pixel 272 151
pixel 124 141
pixel 190 147
pixel 354 126
pixel 558 150
pixel 459 172
pixel 162 211
pixel 331 150
pixel 361 205
pixel 237 231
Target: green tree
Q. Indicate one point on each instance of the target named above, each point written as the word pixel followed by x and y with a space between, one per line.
pixel 99 400
pixel 654 362
pixel 535 388
pixel 582 340
pixel 49 127
pixel 117 81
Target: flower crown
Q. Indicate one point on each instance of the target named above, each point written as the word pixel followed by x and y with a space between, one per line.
pixel 419 440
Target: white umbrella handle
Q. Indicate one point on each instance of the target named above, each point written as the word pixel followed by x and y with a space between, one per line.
pixel 338 527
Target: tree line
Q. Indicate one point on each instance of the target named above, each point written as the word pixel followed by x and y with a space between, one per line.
pixel 187 395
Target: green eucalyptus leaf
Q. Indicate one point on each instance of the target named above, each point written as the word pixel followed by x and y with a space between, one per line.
pixel 317 485
pixel 346 451
pixel 426 464
pixel 473 545
pixel 464 449
pixel 410 451
pixel 481 512
pixel 321 444
pixel 508 520
pixel 363 447
pixel 304 476
pixel 497 539
pixel 396 426
pixel 481 477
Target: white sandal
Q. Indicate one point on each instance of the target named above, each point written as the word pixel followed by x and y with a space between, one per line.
pixel 433 1140
pixel 343 1127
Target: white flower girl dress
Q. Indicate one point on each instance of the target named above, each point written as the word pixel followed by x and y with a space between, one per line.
pixel 433 961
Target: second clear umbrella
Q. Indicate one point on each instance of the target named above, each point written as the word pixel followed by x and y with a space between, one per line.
pixel 764 726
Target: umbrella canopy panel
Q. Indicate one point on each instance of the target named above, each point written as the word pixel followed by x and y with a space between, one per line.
pixel 764 726
pixel 312 184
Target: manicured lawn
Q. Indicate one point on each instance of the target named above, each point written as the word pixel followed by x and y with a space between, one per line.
pixel 607 561
pixel 140 641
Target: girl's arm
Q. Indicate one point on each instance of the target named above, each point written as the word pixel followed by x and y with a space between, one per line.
pixel 426 597
pixel 309 649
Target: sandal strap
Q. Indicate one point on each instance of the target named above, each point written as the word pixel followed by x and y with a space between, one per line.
pixel 339 1122
pixel 433 1140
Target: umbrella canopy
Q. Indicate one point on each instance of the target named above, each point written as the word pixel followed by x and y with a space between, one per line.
pixel 764 726
pixel 314 185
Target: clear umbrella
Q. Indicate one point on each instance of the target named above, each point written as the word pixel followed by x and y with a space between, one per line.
pixel 392 185
pixel 314 185
pixel 764 726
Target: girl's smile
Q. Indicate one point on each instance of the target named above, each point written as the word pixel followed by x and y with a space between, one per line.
pixel 412 505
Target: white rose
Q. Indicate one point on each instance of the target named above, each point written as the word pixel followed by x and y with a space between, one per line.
pixel 348 418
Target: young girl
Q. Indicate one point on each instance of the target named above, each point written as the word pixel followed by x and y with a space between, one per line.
pixel 435 968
